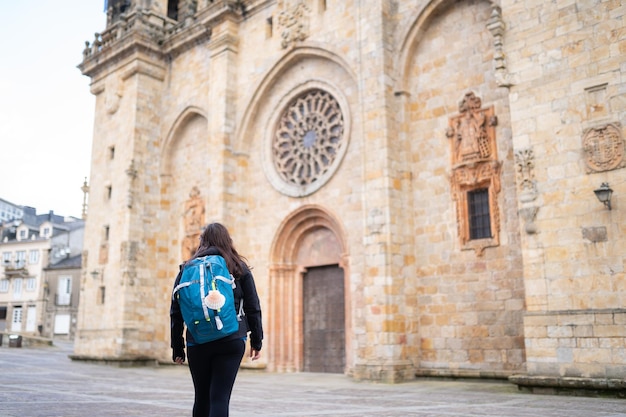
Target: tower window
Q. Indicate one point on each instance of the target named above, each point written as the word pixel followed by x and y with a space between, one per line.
pixel 478 214
pixel 269 28
pixel 101 295
pixel 172 9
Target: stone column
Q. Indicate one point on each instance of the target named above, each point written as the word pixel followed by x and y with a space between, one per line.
pixel 285 314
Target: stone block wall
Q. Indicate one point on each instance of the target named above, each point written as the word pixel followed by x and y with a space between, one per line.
pixel 566 66
pixel 578 344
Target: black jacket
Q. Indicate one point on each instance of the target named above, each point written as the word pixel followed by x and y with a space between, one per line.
pixel 251 322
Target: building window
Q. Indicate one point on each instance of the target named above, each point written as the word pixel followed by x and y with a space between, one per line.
pixel 45 232
pixel 478 214
pixel 269 27
pixel 20 261
pixel 101 293
pixel 4 285
pixel 6 258
pixel 172 9
pixel 17 287
pixel 64 291
pixel 33 256
pixel 31 284
pixel 22 234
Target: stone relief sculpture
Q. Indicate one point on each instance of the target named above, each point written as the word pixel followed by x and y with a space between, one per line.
pixel 525 171
pixel 603 147
pixel 474 167
pixel 293 21
pixel 193 221
pixel 131 171
pixel 473 140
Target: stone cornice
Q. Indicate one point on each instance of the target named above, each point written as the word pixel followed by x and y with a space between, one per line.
pixel 217 11
pixel 133 46
pixel 146 36
pixel 186 39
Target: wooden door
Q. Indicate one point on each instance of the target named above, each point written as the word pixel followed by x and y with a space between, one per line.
pixel 324 320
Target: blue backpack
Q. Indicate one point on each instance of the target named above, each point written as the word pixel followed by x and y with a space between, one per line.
pixel 205 296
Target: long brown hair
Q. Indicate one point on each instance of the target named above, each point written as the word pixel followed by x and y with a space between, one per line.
pixel 216 235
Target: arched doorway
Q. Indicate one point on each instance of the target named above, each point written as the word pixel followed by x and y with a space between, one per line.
pixel 309 303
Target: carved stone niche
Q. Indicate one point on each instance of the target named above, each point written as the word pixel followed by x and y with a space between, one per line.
pixel 525 173
pixel 603 147
pixel 474 167
pixel 193 221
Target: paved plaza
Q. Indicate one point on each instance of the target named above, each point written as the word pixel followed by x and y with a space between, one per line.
pixel 44 382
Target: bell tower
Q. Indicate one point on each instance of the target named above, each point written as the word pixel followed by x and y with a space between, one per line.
pixel 120 291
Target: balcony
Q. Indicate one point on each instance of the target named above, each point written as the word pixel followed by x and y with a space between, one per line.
pixel 15 269
pixel 63 299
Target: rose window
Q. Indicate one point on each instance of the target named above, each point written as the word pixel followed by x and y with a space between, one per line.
pixel 308 139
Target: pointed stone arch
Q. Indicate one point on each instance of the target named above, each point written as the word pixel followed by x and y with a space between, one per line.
pixel 172 136
pixel 259 96
pixel 309 237
pixel 183 190
pixel 409 39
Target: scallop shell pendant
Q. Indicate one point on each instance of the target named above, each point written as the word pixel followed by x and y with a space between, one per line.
pixel 215 300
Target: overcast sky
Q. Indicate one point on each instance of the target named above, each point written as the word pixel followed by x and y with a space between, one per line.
pixel 46 109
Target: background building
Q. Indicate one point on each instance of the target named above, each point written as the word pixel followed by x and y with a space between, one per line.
pixel 61 296
pixel 10 211
pixel 413 181
pixel 30 247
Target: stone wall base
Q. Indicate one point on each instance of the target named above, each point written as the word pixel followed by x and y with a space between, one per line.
pixel 588 387
pixel 392 372
pixel 461 373
pixel 120 362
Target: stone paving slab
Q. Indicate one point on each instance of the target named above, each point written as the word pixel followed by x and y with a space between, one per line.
pixel 44 382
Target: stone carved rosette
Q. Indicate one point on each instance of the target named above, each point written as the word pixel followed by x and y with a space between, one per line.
pixel 308 142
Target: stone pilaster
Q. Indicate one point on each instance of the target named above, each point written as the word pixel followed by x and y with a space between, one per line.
pixel 381 347
pixel 222 113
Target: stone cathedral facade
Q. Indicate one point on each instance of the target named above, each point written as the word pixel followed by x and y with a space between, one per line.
pixel 413 181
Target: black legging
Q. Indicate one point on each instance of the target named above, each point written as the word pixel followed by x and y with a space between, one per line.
pixel 213 369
